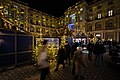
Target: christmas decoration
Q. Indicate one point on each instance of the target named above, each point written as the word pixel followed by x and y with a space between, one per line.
pixel 63 40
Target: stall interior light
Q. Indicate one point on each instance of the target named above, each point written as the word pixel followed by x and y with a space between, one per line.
pixel 98 35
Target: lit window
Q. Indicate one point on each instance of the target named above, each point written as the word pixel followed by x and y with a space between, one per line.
pixel 78 12
pixel 75 6
pixel 80 17
pixel 61 22
pixel 67 16
pixel 110 12
pixel 81 9
pixel 15 6
pixel 99 15
pixel 5 11
pixel 90 17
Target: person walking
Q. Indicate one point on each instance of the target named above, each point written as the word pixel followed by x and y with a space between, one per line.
pixel 74 48
pixel 99 50
pixel 60 58
pixel 80 63
pixel 67 48
pixel 43 61
pixel 90 48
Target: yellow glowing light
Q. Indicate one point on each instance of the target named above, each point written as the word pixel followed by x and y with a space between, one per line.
pixel 1 7
pixel 78 12
pixel 22 12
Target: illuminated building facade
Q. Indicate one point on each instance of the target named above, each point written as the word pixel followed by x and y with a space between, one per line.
pixel 16 14
pixel 104 19
pixel 19 14
pixel 75 17
pixel 100 18
pixel 43 23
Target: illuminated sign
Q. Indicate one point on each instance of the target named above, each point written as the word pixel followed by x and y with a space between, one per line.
pixel 71 26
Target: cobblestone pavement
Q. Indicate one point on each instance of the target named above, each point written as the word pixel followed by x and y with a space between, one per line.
pixel 91 73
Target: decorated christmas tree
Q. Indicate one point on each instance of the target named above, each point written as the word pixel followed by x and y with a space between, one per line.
pixel 37 47
pixel 52 49
pixel 63 40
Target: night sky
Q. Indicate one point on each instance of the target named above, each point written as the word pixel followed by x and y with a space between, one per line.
pixel 52 7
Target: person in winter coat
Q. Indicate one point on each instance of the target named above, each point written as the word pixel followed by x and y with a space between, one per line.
pixel 43 61
pixel 90 48
pixel 80 63
pixel 99 50
pixel 67 49
pixel 60 58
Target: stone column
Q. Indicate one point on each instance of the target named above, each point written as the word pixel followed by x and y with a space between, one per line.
pixel 102 35
pixel 117 36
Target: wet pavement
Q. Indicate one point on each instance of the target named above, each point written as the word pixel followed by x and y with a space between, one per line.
pixel 91 72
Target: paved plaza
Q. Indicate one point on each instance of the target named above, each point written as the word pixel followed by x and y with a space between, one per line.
pixel 29 72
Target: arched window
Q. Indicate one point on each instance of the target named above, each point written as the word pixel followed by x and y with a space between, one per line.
pixel 21 26
pixel 109 24
pixel 37 22
pixel 98 26
pixel 89 28
pixel 31 29
pixel 38 29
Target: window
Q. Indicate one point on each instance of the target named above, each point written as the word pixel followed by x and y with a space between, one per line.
pixel 99 7
pixel 90 10
pixel 110 12
pixel 110 3
pixel 31 21
pixel 109 25
pixel 31 14
pixel 12 14
pixel 21 26
pixel 81 9
pixel 37 29
pixel 91 17
pixel 31 29
pixel 12 6
pixel 89 28
pixel 37 16
pixel 75 6
pixel 80 17
pixel 66 16
pixel 5 11
pixel 22 10
pixel 37 23
pixel 98 26
pixel 22 16
pixel 99 15
pixel 16 6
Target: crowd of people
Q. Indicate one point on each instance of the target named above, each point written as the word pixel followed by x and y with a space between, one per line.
pixel 73 54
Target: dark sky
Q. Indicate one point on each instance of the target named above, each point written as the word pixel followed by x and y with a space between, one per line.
pixel 52 7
